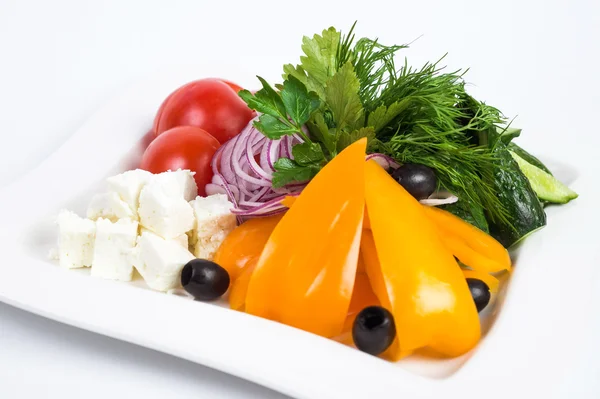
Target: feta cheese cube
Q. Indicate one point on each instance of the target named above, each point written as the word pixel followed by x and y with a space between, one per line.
pixel 164 208
pixel 179 183
pixel 181 239
pixel 214 221
pixel 160 261
pixel 128 186
pixel 75 240
pixel 100 207
pixel 112 249
pixel 120 208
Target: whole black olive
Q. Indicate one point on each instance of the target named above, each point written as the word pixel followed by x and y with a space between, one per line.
pixel 480 293
pixel 418 180
pixel 373 330
pixel 204 280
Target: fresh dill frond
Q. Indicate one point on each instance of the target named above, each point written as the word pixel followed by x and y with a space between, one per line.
pixel 344 48
pixel 372 61
pixel 462 168
pixel 436 126
pixel 432 95
pixel 374 64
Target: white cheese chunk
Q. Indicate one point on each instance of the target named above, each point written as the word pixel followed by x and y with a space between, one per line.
pixel 179 183
pixel 128 186
pixel 164 208
pixel 160 261
pixel 75 240
pixel 100 207
pixel 120 208
pixel 214 221
pixel 112 249
pixel 181 239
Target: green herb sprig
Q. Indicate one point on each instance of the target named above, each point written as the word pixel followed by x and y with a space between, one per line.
pixel 345 89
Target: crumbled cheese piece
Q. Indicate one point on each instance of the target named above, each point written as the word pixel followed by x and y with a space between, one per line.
pixel 164 208
pixel 179 183
pixel 112 249
pixel 214 221
pixel 128 186
pixel 75 240
pixel 120 208
pixel 159 261
pixel 100 207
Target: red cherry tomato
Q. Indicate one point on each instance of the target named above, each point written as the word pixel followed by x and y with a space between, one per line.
pixel 235 87
pixel 185 147
pixel 209 104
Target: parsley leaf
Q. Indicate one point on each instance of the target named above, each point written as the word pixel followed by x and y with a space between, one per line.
pixel 273 127
pixel 299 102
pixel 341 95
pixel 348 138
pixel 266 100
pixel 309 81
pixel 294 102
pixel 320 60
pixel 308 154
pixel 383 115
pixel 288 171
pixel 321 132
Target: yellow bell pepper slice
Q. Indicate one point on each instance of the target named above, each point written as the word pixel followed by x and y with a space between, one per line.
pixel 362 297
pixel 305 275
pixel 245 243
pixel 239 286
pixel 468 239
pixel 469 256
pixel 418 279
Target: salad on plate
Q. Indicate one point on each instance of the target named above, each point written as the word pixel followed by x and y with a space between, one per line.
pixel 364 201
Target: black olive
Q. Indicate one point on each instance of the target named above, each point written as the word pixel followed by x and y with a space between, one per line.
pixel 204 280
pixel 480 293
pixel 373 330
pixel 418 180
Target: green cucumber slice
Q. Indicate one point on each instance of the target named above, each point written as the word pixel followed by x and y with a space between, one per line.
pixel 546 186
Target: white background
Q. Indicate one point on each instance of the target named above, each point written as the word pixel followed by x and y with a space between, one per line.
pixel 60 60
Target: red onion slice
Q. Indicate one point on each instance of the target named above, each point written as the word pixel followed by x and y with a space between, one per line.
pixel 384 161
pixel 439 198
pixel 243 169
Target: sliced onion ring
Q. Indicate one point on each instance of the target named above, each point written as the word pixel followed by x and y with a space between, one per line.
pixel 440 198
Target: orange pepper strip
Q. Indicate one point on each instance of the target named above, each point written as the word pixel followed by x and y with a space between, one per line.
pixel 469 256
pixel 378 282
pixel 239 287
pixel 491 281
pixel 244 243
pixel 362 294
pixel 418 277
pixel 478 240
pixel 305 275
pixel 362 297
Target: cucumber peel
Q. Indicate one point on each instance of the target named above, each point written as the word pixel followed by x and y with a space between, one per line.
pixel 546 186
pixel 528 157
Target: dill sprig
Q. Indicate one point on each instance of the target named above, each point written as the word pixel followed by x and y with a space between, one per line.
pixel 462 168
pixel 372 61
pixel 436 123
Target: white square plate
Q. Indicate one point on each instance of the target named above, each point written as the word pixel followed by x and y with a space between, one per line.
pixel 540 328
